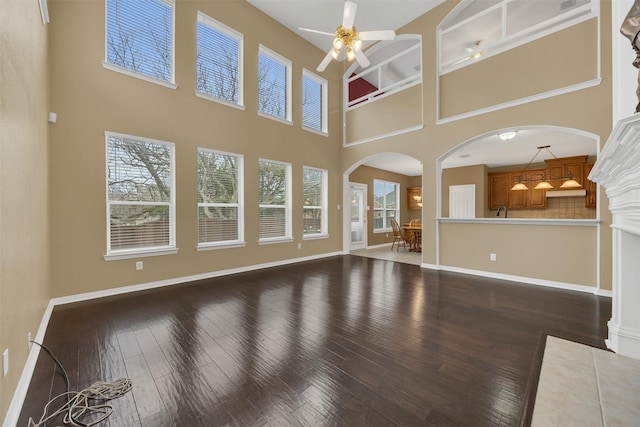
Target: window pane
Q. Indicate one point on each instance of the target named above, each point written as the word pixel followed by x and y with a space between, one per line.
pixel 378 194
pixel 312 183
pixel 217 178
pixel 140 36
pixel 273 183
pixel 272 86
pixel 217 68
pixel 217 223
pixel 138 170
pixel 385 204
pixel 311 103
pixel 139 226
pixel 312 221
pixel 273 223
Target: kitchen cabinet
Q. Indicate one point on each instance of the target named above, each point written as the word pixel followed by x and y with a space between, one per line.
pixel 499 186
pixel 591 200
pixel 414 198
pixel 500 193
pixel 565 167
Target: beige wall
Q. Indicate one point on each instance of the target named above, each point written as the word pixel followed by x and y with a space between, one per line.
pixel 550 253
pixel 561 59
pixel 476 175
pixel 434 140
pixel 366 175
pixel 90 100
pixel 393 113
pixel 24 227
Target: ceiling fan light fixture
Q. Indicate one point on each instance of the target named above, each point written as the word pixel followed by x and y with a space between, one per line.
pixel 350 54
pixel 357 43
pixel 334 53
pixel 337 43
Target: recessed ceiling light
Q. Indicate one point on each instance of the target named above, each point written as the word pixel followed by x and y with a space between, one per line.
pixel 505 136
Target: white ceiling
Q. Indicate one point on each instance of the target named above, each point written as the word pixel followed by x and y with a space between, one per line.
pixel 326 15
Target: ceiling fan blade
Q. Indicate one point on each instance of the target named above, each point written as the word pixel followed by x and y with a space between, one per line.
pixel 349 14
pixel 377 35
pixel 315 31
pixel 361 58
pixel 324 63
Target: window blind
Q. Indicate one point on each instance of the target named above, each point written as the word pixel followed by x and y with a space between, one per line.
pixel 274 200
pixel 139 36
pixel 272 86
pixel 312 105
pixel 220 216
pixel 218 62
pixel 140 196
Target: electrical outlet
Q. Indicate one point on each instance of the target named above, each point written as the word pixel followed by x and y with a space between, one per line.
pixel 387 235
pixel 139 265
pixel 299 245
pixel 492 257
pixel 5 362
pixel 29 340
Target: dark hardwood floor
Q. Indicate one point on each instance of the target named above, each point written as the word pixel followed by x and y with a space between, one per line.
pixel 341 341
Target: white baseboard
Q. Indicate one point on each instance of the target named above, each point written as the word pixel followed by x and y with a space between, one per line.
pixel 528 280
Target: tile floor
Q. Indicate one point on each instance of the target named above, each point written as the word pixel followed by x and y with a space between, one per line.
pixel 584 386
pixel 385 252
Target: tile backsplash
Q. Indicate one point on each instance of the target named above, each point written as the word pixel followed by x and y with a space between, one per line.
pixel 558 208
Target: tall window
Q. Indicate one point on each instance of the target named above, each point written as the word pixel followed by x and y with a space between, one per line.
pixel 275 201
pixel 386 200
pixel 219 61
pixel 314 197
pixel 140 38
pixel 140 195
pixel 274 85
pixel 314 102
pixel 220 200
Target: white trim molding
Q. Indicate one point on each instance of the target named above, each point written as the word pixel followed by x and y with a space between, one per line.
pixel 618 171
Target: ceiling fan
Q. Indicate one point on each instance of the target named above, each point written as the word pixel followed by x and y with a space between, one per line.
pixel 347 37
pixel 474 52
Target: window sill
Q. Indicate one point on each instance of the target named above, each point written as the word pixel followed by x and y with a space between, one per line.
pixel 382 230
pixel 315 236
pixel 275 240
pixel 137 75
pixel 139 253
pixel 214 246
pixel 220 101
pixel 275 118
pixel 316 131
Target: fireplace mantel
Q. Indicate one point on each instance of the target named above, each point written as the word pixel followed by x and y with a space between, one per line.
pixel 618 171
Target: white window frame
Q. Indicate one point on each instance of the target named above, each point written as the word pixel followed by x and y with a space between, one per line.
pixel 388 227
pixel 263 50
pixel 145 251
pixel 287 207
pixel 324 85
pixel 171 84
pixel 238 37
pixel 239 242
pixel 324 232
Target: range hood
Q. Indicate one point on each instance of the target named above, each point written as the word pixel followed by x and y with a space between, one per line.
pixel 567 193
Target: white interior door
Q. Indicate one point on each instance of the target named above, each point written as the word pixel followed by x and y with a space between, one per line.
pixel 462 201
pixel 358 216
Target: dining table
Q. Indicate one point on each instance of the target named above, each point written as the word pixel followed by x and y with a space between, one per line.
pixel 416 240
